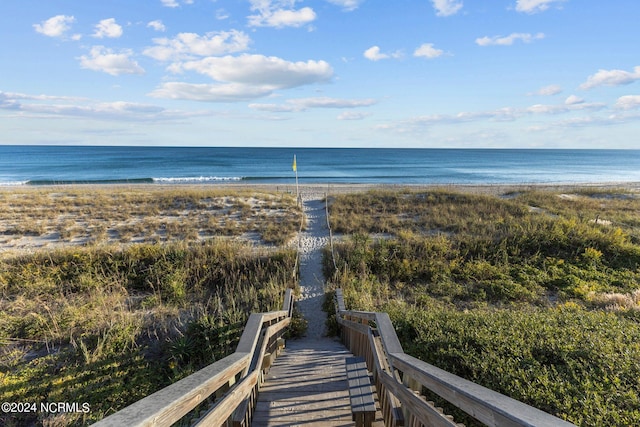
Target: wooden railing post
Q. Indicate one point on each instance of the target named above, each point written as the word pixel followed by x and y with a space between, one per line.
pixel 400 397
pixel 232 382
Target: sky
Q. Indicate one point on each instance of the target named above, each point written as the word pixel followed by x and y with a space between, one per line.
pixel 322 73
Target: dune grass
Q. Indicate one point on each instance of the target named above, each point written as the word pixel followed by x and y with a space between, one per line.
pixel 532 293
pixel 143 214
pixel 111 320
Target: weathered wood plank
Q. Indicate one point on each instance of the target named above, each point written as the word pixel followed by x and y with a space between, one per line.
pixel 363 329
pixel 307 386
pixel 363 406
pixel 340 300
pixel 225 407
pixel 416 406
pixel 367 315
pixel 388 334
pixel 251 334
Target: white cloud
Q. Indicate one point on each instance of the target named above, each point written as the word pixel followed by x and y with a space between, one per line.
pixel 261 70
pixel 505 114
pixel 611 78
pixel 548 90
pixel 43 106
pixel 303 104
pixel 221 14
pixel 55 26
pixel 373 54
pixel 279 14
pixel 175 3
pixel 108 28
pixel 573 100
pixel 628 102
pixel 347 5
pixel 274 108
pixel 427 51
pixel 23 96
pixel 508 40
pixel 243 78
pixel 231 92
pixel 107 61
pixel 446 7
pixel 353 115
pixel 157 25
pixel 534 6
pixel 8 103
pixel 188 45
pixel 571 104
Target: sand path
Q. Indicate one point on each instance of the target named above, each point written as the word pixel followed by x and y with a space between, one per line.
pixel 311 242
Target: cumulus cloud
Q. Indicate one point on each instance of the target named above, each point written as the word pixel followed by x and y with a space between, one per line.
pixel 107 28
pixel 55 26
pixel 175 3
pixel 508 40
pixel 303 104
pixel 260 69
pixel 534 6
pixel 189 45
pixel 548 90
pixel 611 78
pixel 427 51
pixel 573 100
pixel 628 102
pixel 447 7
pixel 347 5
pixel 279 14
pixel 106 60
pixel 157 25
pixel 374 54
pixel 244 77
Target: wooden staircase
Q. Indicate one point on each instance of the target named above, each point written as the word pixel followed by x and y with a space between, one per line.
pixel 307 384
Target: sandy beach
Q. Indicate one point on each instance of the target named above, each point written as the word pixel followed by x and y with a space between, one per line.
pixel 31 220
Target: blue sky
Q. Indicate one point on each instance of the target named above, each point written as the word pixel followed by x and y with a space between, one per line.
pixel 357 73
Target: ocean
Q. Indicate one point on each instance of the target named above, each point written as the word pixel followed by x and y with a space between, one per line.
pixel 42 165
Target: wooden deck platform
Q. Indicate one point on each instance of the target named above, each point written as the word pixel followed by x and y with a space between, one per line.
pixel 306 386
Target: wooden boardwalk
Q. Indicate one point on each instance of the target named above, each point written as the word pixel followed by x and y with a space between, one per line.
pixel 306 386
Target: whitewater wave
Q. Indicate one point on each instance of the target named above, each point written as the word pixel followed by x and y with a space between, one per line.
pixel 199 179
pixel 12 183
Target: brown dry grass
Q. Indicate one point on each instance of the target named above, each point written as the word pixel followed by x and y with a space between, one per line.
pixel 77 215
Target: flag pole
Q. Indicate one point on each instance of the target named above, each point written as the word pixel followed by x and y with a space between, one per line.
pixel 295 169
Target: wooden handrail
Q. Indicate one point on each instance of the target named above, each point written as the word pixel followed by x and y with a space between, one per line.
pixel 229 381
pixel 400 378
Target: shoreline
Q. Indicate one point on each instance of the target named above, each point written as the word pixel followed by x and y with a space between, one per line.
pixel 339 186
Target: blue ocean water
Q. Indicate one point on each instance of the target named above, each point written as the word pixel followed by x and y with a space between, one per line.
pixel 33 165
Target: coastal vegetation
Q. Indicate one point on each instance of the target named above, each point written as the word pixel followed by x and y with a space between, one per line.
pixel 144 214
pixel 534 294
pixel 104 322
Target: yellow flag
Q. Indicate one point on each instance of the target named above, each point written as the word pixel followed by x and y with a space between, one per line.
pixel 295 167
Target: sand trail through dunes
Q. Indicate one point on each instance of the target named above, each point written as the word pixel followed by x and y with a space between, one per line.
pixel 311 242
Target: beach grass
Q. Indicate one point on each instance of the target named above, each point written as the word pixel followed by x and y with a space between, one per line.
pixel 105 315
pixel 141 214
pixel 532 293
